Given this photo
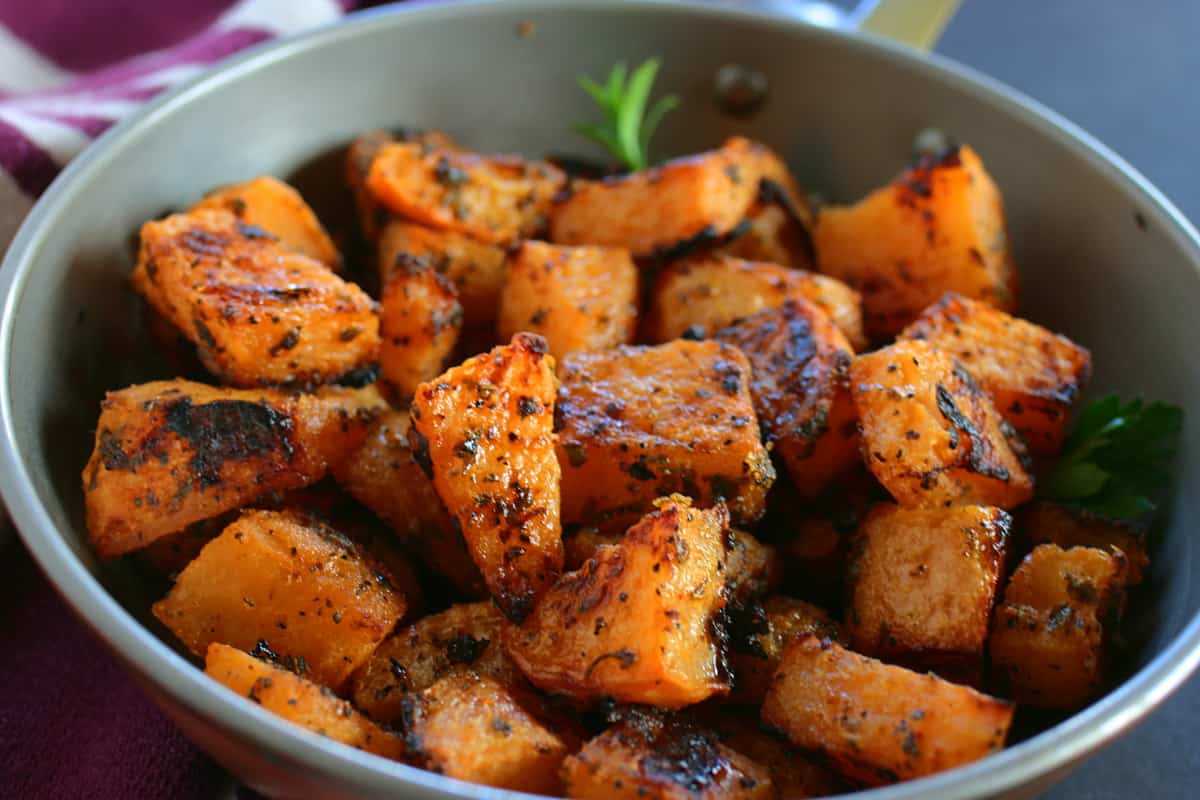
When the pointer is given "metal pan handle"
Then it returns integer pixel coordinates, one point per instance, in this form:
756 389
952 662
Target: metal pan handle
916 23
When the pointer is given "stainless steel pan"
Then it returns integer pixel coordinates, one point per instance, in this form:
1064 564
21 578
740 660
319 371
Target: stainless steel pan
1104 257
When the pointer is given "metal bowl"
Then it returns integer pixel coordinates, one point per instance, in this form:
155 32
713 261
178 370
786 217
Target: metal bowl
1104 258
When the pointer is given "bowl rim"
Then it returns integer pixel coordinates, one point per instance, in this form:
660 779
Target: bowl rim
1050 751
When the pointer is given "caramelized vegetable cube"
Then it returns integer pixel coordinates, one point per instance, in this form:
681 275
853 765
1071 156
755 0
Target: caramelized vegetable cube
495 199
419 323
464 637
486 430
384 475
474 728
277 208
649 755
774 235
703 294
922 585
476 269
1033 376
258 313
801 366
878 723
291 583
636 622
359 155
636 423
579 298
171 453
1051 523
299 701
683 203
938 228
931 435
759 645
1050 634
795 774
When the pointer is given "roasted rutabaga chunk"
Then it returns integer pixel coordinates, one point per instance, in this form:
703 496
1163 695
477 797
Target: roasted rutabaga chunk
637 423
285 585
759 635
277 208
637 622
1034 376
931 435
259 313
299 701
1050 635
938 228
171 453
1067 527
419 323
485 430
490 198
878 723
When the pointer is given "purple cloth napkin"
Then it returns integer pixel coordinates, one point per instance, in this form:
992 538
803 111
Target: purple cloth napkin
72 723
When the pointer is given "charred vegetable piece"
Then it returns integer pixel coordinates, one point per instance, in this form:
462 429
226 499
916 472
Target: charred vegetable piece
938 228
685 203
359 157
383 474
336 609
922 585
419 323
1067 527
758 637
637 622
1050 635
463 638
931 435
299 701
485 428
258 313
636 423
775 233
497 199
1033 376
473 728
801 372
699 296
476 269
277 208
578 298
171 453
649 755
877 723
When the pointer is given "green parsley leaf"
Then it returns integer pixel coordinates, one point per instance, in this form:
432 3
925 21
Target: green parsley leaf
627 126
1116 458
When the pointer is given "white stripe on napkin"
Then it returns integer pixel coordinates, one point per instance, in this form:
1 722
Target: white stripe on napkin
279 17
23 69
60 142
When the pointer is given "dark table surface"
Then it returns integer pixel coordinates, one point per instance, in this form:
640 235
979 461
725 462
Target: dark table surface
1124 71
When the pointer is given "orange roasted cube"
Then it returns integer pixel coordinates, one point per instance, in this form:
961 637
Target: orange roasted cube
801 370
383 475
877 723
1050 635
922 585
464 637
171 453
1034 376
474 728
796 774
700 295
1067 527
758 642
299 701
485 430
649 755
419 322
287 584
670 208
636 622
277 208
578 298
259 313
476 269
497 199
637 423
931 435
774 234
938 228
360 154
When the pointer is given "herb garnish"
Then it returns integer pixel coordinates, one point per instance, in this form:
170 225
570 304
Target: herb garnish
627 127
1115 458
